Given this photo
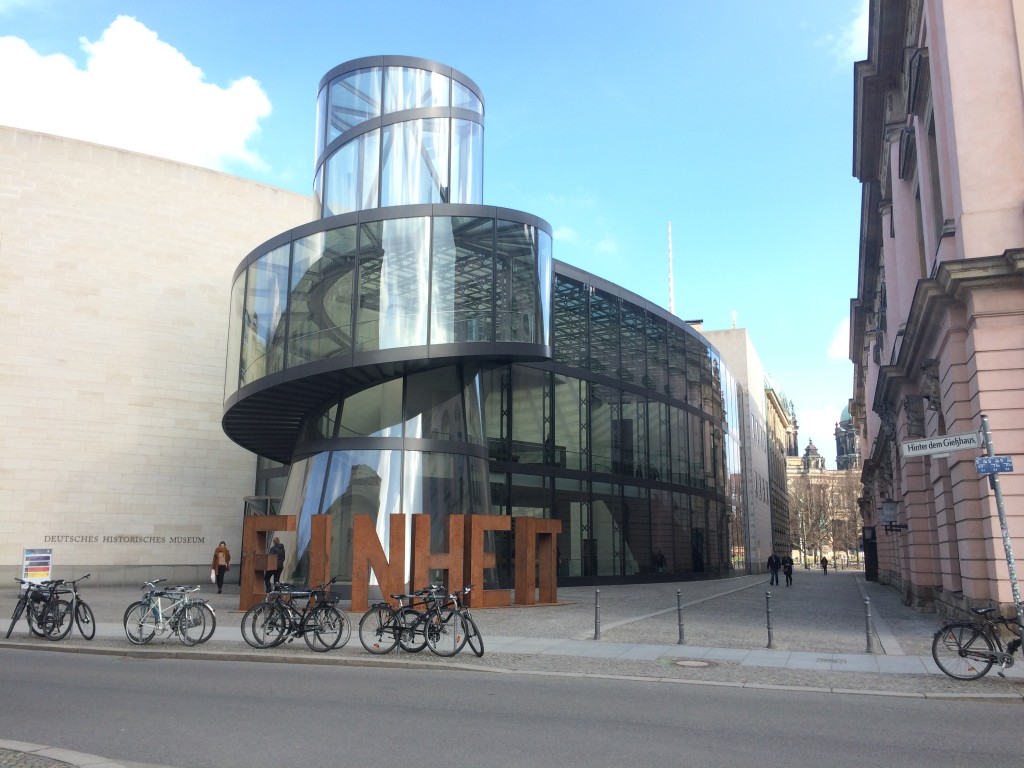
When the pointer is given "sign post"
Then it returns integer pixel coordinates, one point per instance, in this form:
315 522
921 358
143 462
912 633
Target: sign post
993 479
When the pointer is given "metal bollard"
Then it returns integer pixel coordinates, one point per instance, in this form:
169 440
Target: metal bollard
679 612
597 614
768 610
867 624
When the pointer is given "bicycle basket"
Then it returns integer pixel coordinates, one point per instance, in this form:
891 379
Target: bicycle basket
323 596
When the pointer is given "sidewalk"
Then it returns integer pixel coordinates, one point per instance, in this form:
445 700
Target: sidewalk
819 639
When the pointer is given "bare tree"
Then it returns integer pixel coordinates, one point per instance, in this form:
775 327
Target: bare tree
824 515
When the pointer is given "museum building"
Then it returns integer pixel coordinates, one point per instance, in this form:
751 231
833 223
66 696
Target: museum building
414 351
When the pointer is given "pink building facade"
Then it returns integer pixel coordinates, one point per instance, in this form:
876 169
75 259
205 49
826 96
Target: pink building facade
937 326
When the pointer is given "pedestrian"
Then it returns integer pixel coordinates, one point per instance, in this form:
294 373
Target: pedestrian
824 564
221 564
787 569
277 548
660 562
774 563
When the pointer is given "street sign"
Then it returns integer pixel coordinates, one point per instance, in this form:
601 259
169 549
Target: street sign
986 465
942 444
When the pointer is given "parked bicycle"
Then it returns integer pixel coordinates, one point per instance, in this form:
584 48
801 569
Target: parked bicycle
33 602
967 650
474 639
283 617
61 614
164 611
432 618
384 626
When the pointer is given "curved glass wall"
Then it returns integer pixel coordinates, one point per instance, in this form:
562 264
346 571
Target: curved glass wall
387 284
646 483
444 472
398 135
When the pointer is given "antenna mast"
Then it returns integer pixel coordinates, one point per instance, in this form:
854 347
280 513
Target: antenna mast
671 288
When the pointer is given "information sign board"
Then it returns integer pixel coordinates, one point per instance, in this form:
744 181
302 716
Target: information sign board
36 564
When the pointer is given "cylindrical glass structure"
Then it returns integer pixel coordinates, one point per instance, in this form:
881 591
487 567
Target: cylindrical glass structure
393 130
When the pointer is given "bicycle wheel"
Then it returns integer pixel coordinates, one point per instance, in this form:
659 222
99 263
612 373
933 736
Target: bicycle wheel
34 616
413 638
211 620
191 623
963 651
325 628
58 620
140 622
288 619
446 633
86 620
262 626
18 610
378 630
473 636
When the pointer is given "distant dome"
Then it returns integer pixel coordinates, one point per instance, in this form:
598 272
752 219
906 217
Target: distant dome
845 415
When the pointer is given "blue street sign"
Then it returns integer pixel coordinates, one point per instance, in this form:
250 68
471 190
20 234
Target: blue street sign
987 465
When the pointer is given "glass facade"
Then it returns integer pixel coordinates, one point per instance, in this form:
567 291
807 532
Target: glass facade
415 355
397 131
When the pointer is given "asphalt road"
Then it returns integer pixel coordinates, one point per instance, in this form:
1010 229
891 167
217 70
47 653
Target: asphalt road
190 714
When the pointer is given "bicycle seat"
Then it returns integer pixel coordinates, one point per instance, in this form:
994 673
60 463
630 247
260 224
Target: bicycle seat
982 611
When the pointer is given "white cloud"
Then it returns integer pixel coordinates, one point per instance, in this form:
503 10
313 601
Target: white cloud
839 347
607 245
566 235
852 43
136 92
9 6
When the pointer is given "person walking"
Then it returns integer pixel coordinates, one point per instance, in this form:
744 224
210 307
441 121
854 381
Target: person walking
824 564
221 564
277 548
774 563
787 569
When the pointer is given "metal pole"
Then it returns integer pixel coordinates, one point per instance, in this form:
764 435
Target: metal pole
679 612
768 610
597 614
867 624
993 480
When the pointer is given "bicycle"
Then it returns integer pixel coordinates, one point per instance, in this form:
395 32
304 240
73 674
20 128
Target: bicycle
184 617
384 626
201 603
444 625
320 623
967 650
33 603
62 614
473 637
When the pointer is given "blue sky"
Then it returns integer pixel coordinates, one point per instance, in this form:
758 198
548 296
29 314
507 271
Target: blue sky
732 120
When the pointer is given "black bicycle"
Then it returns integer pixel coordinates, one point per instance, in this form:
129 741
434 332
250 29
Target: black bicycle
384 626
433 618
33 603
967 650
61 614
281 617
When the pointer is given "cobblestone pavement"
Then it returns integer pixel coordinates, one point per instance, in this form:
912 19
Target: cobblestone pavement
819 639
